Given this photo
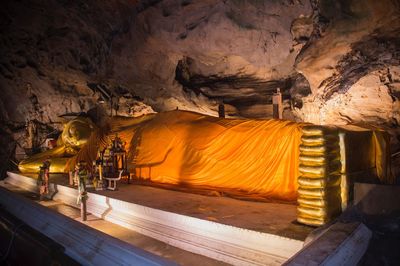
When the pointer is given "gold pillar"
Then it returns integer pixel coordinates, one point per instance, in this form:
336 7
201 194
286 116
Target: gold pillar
319 193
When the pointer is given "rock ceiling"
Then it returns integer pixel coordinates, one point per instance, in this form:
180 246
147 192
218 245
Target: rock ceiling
336 62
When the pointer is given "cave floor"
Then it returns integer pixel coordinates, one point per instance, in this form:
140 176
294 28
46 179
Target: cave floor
267 217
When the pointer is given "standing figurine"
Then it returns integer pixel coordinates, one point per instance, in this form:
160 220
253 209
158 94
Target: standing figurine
95 174
277 107
43 179
221 110
99 172
76 176
82 194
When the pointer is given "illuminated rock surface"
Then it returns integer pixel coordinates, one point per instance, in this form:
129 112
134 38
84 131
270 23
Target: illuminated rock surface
335 61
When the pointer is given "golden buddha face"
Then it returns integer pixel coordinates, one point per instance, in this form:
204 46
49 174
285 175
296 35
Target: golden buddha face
76 132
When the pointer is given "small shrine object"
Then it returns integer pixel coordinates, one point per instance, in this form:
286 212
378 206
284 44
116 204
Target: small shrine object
82 174
221 110
111 164
97 173
277 106
43 179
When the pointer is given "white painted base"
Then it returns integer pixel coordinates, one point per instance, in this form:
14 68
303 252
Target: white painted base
85 245
226 243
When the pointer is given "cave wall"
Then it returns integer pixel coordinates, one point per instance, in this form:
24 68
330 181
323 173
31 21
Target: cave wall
51 51
336 62
54 55
193 54
352 64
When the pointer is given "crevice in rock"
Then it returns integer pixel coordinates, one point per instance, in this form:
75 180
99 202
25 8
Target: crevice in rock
368 55
240 91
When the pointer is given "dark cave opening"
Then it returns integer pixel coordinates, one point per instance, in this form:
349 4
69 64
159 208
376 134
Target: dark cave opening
240 91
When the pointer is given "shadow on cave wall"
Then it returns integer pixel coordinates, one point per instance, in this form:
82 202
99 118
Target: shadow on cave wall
370 54
250 95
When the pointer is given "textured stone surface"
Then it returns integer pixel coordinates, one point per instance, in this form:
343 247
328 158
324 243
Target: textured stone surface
236 51
352 65
335 61
368 100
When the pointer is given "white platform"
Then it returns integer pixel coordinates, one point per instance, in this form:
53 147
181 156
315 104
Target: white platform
82 243
226 243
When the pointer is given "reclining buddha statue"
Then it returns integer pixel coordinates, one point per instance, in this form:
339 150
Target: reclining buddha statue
186 148
75 134
272 158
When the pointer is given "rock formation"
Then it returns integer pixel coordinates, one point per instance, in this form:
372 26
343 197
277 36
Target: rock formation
336 62
352 65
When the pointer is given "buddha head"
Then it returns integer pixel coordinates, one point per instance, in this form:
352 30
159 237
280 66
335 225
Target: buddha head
76 132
